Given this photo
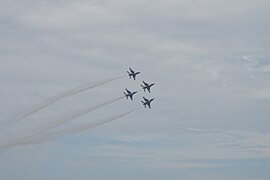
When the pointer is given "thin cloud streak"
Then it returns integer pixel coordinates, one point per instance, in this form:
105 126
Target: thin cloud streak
230 133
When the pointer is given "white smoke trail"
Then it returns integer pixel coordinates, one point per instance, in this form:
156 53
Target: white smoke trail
65 119
38 131
87 126
49 135
56 98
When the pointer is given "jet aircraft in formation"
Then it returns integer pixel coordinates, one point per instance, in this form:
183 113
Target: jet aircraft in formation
132 73
129 94
145 86
147 102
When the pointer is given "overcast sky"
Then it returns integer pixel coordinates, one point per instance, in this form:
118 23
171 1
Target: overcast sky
209 59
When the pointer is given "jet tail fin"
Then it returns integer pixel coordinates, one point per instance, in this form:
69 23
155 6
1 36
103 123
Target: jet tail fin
143 87
125 95
129 75
143 104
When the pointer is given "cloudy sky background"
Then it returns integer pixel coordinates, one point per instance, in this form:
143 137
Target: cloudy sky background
209 60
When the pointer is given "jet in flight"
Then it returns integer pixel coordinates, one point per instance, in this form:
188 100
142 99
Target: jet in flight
147 102
129 94
132 74
147 86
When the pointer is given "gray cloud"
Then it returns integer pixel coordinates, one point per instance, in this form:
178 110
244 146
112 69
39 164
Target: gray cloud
209 61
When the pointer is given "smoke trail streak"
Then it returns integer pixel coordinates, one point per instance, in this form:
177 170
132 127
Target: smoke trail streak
75 115
56 98
38 131
49 135
87 126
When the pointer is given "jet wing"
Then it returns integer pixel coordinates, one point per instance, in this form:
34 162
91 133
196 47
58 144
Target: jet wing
131 71
145 83
128 91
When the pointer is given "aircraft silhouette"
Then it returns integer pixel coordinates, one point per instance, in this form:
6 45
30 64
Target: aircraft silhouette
147 86
147 102
129 94
132 73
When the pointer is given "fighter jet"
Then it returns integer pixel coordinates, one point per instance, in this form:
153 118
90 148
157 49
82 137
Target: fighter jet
147 102
132 74
129 94
147 86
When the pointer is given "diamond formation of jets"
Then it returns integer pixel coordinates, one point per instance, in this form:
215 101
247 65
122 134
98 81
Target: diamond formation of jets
145 86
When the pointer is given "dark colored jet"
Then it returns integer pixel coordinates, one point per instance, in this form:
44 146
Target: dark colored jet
129 94
147 86
147 102
132 74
